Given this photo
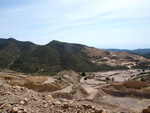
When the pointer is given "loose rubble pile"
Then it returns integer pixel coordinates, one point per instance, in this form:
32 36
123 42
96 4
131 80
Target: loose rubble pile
17 99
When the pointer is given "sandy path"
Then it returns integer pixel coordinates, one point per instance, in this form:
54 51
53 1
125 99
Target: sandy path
90 89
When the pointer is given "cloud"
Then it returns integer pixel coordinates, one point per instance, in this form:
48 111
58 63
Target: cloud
75 19
82 9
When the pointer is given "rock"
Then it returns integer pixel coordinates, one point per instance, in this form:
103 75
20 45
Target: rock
19 111
35 98
45 105
48 98
63 100
66 105
3 106
25 111
44 102
17 87
87 106
93 107
26 100
145 111
71 102
28 91
22 102
103 111
99 111
15 110
78 111
57 103
22 88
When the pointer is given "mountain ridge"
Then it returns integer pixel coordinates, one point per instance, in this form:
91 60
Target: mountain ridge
56 56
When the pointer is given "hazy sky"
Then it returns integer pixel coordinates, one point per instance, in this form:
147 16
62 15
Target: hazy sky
99 23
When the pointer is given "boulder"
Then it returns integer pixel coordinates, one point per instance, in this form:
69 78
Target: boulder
15 110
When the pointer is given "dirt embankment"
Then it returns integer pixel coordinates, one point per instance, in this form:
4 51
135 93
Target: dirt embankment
127 94
129 89
36 83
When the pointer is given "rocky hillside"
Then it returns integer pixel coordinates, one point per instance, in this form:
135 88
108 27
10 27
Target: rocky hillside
18 98
113 58
15 99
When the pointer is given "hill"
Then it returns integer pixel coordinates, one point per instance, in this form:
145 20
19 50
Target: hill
11 49
57 56
54 57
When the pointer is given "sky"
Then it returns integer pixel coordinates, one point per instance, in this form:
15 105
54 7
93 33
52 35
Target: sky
122 24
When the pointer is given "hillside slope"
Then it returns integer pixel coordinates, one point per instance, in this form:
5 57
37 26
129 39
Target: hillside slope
57 56
10 49
114 58
54 57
